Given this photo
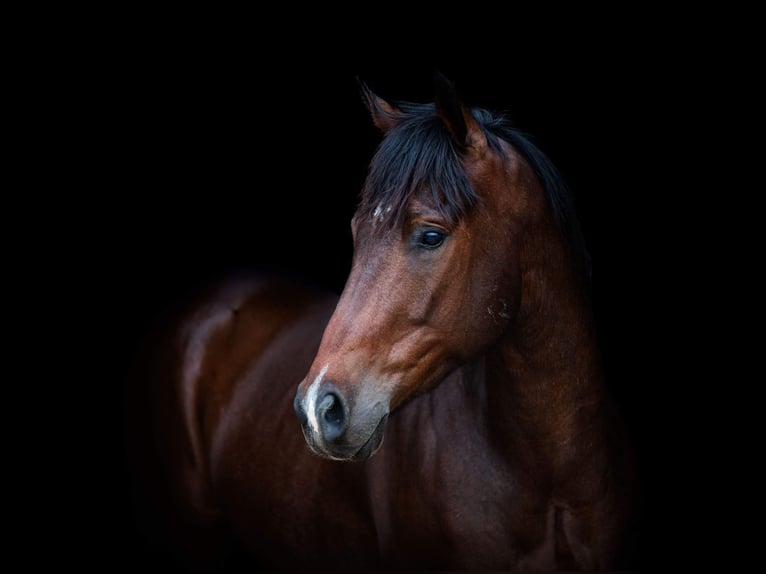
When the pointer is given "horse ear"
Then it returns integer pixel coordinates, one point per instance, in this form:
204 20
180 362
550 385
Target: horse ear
384 115
464 129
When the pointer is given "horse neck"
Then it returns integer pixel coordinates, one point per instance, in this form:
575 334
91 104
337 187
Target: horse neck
544 382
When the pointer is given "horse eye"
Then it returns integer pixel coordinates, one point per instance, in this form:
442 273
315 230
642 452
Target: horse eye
431 238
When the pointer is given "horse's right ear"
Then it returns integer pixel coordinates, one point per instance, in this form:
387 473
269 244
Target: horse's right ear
462 126
384 115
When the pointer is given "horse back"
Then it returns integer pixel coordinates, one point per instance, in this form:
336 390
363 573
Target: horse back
220 344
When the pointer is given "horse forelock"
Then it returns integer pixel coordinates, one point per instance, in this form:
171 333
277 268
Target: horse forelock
416 156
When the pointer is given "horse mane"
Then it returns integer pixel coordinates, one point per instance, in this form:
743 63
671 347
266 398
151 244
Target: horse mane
420 154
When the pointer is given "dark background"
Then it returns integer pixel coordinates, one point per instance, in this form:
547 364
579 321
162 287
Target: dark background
201 153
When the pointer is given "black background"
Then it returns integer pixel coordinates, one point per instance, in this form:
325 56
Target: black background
208 151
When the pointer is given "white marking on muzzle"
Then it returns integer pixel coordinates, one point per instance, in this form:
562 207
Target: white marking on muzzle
311 399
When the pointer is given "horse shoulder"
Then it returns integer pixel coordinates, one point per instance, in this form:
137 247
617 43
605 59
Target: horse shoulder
594 507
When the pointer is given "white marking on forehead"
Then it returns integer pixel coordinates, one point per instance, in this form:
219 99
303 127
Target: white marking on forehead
311 399
379 210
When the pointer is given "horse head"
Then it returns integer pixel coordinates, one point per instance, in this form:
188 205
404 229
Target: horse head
439 245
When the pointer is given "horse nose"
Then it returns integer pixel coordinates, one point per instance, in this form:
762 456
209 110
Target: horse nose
322 412
331 414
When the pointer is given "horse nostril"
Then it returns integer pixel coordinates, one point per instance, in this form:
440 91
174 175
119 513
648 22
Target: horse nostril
333 410
332 415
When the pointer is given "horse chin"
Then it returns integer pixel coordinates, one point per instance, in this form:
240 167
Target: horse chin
373 443
346 452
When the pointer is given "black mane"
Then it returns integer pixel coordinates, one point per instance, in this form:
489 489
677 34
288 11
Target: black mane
419 154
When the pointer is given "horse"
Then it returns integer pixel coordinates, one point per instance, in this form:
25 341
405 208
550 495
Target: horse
447 410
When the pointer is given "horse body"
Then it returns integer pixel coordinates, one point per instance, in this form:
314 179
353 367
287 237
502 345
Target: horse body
502 448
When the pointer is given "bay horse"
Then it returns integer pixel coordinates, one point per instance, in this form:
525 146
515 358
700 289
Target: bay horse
447 410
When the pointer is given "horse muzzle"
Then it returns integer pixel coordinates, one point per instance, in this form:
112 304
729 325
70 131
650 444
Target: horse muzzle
335 429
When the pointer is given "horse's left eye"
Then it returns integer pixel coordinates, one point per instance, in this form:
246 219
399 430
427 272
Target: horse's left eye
431 238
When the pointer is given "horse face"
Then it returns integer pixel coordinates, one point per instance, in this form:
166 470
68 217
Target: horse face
425 295
421 299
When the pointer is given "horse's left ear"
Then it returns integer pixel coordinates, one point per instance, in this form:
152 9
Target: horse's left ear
465 130
384 115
